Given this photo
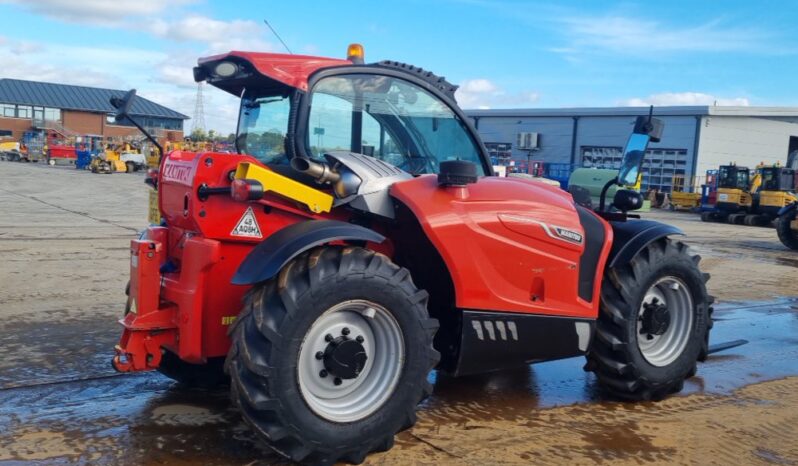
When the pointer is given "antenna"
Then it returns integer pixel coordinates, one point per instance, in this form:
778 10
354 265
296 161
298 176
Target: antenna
277 36
199 111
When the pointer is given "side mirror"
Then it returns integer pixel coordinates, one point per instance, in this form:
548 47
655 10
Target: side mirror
647 129
633 155
123 104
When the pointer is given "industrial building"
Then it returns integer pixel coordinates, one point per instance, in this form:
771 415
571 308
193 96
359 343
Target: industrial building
696 138
34 108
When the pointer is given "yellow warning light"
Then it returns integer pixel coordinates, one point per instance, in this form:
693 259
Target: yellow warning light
355 54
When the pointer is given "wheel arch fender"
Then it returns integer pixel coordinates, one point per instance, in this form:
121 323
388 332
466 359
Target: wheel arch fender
269 257
632 236
791 208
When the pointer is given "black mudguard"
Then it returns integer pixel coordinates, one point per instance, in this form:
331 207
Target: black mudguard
632 236
266 260
789 209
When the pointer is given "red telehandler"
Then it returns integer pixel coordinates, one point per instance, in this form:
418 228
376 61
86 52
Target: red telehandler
358 239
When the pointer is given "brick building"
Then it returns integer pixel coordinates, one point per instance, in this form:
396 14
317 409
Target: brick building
37 107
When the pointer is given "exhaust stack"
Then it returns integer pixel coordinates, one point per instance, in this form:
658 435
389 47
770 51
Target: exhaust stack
321 171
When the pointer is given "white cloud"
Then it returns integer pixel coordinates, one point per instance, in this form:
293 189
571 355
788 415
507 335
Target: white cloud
69 65
684 98
217 35
640 37
483 93
96 11
164 76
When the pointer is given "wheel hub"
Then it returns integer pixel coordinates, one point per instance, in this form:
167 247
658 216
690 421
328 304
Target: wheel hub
344 357
655 318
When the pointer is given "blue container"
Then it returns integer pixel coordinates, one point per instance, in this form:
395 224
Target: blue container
559 172
83 160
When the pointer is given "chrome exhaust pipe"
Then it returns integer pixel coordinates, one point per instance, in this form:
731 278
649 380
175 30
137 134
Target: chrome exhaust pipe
321 171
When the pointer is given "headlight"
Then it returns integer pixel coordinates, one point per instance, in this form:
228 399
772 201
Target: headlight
225 69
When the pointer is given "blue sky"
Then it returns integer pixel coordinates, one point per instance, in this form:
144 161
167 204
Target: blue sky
502 53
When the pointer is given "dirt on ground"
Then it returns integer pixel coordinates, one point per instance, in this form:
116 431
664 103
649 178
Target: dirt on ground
64 238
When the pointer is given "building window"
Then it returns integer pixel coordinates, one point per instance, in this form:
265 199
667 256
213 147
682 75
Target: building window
38 114
660 167
53 114
24 111
8 110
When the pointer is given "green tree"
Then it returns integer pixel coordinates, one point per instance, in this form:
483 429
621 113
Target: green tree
198 134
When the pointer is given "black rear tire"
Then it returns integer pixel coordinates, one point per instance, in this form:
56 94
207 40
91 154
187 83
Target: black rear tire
787 235
616 356
267 340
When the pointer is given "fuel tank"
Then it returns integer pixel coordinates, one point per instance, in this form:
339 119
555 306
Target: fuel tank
512 245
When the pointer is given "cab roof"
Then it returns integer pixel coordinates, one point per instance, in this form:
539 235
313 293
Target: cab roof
288 70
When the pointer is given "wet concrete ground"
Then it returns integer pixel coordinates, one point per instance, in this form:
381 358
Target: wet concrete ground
63 250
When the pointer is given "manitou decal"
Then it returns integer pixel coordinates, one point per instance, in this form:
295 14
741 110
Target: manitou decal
553 231
568 235
247 226
177 172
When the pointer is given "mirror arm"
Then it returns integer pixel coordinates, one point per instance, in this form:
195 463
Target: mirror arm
603 197
146 134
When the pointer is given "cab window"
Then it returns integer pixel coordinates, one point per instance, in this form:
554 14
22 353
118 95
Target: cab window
263 123
387 118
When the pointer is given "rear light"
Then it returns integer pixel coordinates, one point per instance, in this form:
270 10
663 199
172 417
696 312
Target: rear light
246 190
152 178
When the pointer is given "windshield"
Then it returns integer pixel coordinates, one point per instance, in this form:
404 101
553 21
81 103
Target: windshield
390 119
733 177
262 125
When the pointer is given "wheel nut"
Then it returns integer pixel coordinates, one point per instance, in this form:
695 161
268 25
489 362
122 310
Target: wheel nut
328 337
345 331
337 381
359 339
323 373
319 355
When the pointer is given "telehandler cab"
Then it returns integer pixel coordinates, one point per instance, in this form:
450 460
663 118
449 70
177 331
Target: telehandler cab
358 239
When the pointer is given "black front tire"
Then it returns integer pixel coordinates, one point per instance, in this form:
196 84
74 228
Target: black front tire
615 355
787 235
267 340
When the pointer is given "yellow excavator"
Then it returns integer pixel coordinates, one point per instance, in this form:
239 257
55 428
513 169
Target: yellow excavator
735 194
777 191
787 221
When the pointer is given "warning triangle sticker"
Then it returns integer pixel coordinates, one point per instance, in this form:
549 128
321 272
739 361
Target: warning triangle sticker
247 226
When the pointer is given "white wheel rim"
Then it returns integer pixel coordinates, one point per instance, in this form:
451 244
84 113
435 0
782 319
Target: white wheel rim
355 398
661 350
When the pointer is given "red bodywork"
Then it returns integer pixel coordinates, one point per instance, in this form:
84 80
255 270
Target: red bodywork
291 70
493 238
61 152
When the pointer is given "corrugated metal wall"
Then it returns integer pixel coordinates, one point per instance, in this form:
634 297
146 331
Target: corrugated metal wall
744 140
723 139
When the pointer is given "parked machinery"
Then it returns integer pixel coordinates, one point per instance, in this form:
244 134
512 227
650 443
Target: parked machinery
122 157
735 189
681 196
787 221
777 191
